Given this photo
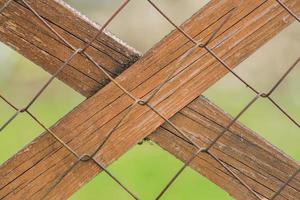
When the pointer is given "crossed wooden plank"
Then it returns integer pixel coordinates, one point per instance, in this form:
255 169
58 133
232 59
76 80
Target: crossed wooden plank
31 171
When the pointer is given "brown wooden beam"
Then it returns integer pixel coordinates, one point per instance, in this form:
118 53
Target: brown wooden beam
276 24
256 161
26 34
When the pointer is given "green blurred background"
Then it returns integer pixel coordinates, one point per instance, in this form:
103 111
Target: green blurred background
147 168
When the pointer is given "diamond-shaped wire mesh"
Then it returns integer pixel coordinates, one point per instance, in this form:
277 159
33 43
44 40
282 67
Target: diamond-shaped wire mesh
148 101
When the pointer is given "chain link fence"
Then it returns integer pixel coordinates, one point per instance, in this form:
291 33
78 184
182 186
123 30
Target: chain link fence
146 101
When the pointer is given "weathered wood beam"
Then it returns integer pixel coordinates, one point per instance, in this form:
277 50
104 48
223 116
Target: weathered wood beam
26 34
257 162
276 25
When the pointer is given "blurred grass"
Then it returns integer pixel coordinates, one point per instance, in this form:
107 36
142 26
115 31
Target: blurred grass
147 168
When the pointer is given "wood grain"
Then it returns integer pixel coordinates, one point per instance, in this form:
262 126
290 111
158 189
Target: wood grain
257 162
44 159
22 31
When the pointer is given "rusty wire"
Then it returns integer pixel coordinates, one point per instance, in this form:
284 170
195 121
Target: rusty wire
146 100
288 10
258 95
85 157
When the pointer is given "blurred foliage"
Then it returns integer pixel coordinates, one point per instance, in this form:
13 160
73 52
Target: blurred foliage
147 168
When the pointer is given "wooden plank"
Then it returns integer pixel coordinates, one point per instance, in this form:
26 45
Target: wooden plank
35 151
22 31
257 162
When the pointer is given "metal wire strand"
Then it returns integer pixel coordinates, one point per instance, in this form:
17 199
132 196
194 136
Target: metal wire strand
41 124
219 59
200 149
232 122
86 158
197 43
83 50
236 176
205 46
5 5
205 150
13 116
224 64
283 77
186 164
3 126
264 95
228 127
146 101
38 94
115 179
288 10
59 179
285 184
108 75
104 71
258 94
156 90
25 109
82 158
110 133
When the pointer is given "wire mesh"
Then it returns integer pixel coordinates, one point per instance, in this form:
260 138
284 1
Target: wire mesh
146 101
258 95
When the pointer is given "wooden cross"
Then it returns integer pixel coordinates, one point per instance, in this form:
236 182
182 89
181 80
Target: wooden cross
32 171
